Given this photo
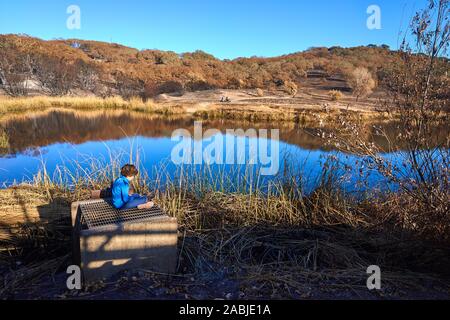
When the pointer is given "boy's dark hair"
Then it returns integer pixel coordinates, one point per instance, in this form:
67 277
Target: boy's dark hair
129 170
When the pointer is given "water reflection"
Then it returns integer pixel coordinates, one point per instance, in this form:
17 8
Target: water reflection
55 137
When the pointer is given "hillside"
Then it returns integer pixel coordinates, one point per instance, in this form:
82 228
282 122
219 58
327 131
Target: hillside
59 67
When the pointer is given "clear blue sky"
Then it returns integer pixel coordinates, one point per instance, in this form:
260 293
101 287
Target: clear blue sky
226 29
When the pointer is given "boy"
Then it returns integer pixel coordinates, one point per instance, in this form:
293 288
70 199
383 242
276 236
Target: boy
121 188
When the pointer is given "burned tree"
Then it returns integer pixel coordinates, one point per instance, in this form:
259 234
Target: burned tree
128 88
15 73
87 76
56 76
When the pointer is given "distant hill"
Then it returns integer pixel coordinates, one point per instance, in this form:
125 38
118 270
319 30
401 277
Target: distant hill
57 67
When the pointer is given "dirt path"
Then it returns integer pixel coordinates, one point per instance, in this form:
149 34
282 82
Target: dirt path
244 99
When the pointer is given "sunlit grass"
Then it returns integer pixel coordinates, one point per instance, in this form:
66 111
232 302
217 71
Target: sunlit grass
289 114
4 141
10 105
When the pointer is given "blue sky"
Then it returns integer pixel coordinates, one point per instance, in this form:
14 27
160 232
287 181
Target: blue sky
226 29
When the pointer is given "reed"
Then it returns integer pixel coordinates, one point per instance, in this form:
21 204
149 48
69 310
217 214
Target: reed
16 105
270 232
4 141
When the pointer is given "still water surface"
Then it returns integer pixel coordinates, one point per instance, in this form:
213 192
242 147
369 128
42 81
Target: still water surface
73 139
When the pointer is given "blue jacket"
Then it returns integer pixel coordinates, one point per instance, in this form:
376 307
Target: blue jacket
120 190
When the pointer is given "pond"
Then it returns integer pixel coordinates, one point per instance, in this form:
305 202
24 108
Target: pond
74 140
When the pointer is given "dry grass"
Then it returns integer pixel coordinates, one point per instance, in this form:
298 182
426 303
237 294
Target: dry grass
273 236
4 141
335 95
247 111
14 105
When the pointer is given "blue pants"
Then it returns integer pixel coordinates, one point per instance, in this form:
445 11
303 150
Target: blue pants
135 201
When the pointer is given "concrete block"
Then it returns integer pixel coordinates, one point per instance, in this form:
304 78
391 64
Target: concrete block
106 250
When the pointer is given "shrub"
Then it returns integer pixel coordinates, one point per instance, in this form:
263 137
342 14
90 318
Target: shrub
128 87
335 95
171 87
236 83
14 73
362 82
87 75
290 88
198 86
259 92
151 90
56 76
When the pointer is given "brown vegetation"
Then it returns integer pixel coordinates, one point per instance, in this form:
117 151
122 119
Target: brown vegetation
420 94
335 95
361 82
280 240
60 66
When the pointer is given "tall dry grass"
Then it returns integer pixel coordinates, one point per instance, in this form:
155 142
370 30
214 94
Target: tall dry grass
22 104
4 140
269 231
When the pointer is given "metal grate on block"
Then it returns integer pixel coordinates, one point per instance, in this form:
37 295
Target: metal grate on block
101 213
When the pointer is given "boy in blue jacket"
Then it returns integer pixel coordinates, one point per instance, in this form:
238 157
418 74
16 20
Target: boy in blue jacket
121 189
